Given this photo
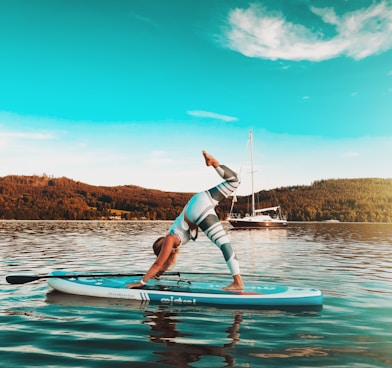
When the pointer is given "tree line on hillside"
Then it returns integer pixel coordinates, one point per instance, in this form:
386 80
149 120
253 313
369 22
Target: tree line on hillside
346 200
47 198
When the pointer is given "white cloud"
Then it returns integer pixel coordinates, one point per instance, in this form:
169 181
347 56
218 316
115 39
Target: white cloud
211 115
27 135
17 140
257 32
14 127
159 157
351 154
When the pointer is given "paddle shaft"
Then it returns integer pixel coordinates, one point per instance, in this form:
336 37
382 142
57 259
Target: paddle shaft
23 279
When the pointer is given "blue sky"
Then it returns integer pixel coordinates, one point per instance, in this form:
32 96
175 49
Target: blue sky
114 92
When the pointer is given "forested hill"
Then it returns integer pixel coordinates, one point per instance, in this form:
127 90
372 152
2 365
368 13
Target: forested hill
346 200
47 198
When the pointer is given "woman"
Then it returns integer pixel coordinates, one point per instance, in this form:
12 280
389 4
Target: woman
199 212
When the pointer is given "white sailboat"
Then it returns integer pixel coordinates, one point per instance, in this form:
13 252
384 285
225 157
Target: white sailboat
270 217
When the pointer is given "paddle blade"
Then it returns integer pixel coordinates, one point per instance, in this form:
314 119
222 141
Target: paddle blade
21 279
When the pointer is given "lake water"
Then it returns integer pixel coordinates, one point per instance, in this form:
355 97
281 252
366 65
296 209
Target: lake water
350 263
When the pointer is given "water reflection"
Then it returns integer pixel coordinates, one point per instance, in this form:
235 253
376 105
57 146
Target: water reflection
176 330
178 352
59 298
256 235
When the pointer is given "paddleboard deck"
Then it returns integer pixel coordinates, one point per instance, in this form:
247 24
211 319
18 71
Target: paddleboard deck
184 292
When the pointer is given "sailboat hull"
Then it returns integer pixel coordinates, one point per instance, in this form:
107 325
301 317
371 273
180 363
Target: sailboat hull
249 224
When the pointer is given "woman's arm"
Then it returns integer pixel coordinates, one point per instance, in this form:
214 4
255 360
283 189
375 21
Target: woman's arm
170 244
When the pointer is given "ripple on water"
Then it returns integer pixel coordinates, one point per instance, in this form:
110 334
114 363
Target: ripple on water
351 264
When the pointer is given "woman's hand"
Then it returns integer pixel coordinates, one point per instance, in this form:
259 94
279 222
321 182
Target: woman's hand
159 266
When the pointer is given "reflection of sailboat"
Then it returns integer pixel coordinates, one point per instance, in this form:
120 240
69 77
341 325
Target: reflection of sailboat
270 217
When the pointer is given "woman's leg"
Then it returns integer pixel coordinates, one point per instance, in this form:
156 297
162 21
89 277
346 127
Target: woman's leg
211 225
200 211
231 183
226 188
214 230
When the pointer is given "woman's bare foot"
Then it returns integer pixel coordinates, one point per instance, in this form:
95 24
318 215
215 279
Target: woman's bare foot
237 284
234 287
210 160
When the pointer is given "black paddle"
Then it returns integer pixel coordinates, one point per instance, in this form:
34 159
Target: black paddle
23 279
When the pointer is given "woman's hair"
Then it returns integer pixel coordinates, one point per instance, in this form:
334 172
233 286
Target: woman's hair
156 247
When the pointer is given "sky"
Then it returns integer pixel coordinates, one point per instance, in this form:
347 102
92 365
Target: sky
129 92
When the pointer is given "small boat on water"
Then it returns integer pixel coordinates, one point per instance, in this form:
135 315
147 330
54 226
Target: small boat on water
270 217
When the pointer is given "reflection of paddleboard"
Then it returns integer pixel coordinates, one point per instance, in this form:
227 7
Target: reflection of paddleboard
184 292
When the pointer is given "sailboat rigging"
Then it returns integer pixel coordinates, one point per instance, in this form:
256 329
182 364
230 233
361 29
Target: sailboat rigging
270 217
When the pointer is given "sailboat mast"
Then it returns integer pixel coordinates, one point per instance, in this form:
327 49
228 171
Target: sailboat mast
252 171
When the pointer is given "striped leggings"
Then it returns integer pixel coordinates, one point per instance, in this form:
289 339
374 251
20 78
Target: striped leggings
201 211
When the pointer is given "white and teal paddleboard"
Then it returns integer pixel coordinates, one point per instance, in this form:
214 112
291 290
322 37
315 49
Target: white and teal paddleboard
185 292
